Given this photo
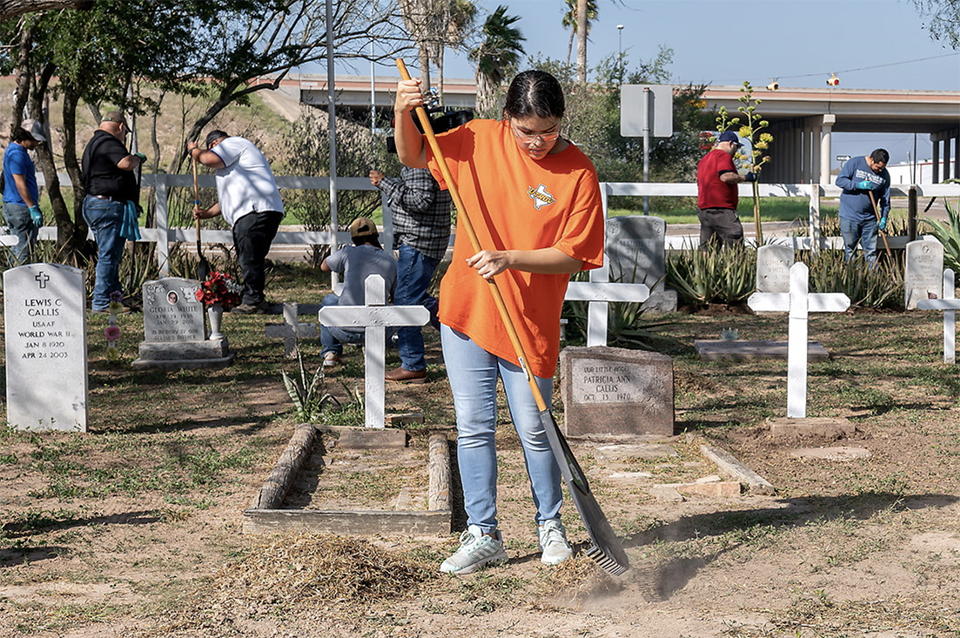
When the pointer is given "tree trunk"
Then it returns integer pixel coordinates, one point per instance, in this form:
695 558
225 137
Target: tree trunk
12 8
582 42
69 232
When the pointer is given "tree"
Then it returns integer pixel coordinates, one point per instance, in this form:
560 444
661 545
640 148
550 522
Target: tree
570 21
496 56
433 25
583 26
13 8
943 20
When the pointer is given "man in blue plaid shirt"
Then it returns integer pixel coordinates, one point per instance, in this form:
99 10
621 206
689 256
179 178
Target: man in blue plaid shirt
421 226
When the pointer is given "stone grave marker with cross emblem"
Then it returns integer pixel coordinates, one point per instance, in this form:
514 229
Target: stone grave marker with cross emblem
949 306
374 317
45 327
291 330
799 303
922 272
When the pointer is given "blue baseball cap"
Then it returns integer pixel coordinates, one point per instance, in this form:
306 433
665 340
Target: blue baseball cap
730 136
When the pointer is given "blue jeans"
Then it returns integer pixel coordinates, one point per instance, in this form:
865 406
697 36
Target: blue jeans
414 272
104 216
20 224
473 373
332 338
862 230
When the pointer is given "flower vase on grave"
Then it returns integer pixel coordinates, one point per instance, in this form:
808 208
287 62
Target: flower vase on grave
215 313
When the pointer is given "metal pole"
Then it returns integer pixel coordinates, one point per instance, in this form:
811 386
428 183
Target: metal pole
332 119
373 86
620 51
647 126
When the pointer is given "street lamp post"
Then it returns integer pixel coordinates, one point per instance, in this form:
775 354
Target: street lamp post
620 50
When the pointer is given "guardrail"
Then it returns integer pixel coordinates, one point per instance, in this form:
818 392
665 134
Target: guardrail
162 183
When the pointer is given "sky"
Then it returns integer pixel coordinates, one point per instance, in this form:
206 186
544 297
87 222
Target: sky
869 44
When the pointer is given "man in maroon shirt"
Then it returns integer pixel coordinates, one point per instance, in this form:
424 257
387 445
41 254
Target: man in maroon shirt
717 180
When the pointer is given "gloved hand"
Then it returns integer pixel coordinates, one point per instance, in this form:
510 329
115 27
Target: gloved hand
36 215
882 224
750 177
866 185
141 157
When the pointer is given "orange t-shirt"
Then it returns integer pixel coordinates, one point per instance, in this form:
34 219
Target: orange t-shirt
517 203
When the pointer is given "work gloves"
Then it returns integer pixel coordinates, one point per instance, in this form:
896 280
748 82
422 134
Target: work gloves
750 177
141 157
882 224
866 185
36 215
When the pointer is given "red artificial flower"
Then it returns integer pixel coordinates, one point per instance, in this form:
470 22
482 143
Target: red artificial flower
219 288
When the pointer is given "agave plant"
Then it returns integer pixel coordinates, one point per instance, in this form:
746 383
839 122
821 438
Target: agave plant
948 234
307 393
880 287
714 276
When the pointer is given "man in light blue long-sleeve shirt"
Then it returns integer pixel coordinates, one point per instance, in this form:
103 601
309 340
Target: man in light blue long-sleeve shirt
860 178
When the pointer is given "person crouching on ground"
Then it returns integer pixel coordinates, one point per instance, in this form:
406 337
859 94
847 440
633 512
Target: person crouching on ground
534 199
366 257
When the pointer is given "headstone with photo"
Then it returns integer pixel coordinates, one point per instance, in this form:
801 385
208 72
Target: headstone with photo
773 268
636 251
615 393
923 272
45 328
174 332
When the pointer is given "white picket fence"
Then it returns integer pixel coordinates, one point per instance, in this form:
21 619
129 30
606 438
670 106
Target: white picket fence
163 183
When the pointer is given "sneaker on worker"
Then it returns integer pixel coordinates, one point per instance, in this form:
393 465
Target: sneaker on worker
553 542
331 360
476 550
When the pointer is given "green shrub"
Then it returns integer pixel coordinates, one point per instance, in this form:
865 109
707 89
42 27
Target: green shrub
947 234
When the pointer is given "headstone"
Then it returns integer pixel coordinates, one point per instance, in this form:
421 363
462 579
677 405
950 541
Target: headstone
174 330
291 330
374 317
923 272
798 303
45 328
773 268
615 393
949 306
636 251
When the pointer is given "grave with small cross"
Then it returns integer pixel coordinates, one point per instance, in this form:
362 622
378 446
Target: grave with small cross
374 317
949 306
291 330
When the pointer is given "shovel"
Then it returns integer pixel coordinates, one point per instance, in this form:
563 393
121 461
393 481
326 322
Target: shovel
203 268
882 233
606 550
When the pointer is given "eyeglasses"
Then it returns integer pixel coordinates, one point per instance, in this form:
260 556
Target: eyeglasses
529 138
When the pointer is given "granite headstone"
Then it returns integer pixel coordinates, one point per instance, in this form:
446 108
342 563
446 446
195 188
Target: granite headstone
636 251
615 393
773 268
923 273
46 347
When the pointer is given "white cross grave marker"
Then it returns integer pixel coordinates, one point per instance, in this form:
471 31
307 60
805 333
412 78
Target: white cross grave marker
374 317
799 303
290 330
600 292
949 306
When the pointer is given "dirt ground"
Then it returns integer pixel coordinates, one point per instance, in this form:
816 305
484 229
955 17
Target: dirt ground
863 546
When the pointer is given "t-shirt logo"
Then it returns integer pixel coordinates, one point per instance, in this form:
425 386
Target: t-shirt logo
540 196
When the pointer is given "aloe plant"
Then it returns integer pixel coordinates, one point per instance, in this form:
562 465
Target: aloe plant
306 393
948 234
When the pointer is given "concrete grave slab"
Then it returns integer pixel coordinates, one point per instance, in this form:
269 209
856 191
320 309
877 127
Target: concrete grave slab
828 428
830 453
747 350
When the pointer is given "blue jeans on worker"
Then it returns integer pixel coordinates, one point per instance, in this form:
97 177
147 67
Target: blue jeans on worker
332 338
473 373
104 217
20 224
414 272
252 236
863 231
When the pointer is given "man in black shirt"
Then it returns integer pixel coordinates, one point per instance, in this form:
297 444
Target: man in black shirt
110 182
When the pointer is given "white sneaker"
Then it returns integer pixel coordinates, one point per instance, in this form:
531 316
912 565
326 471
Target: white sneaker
330 360
476 550
553 542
